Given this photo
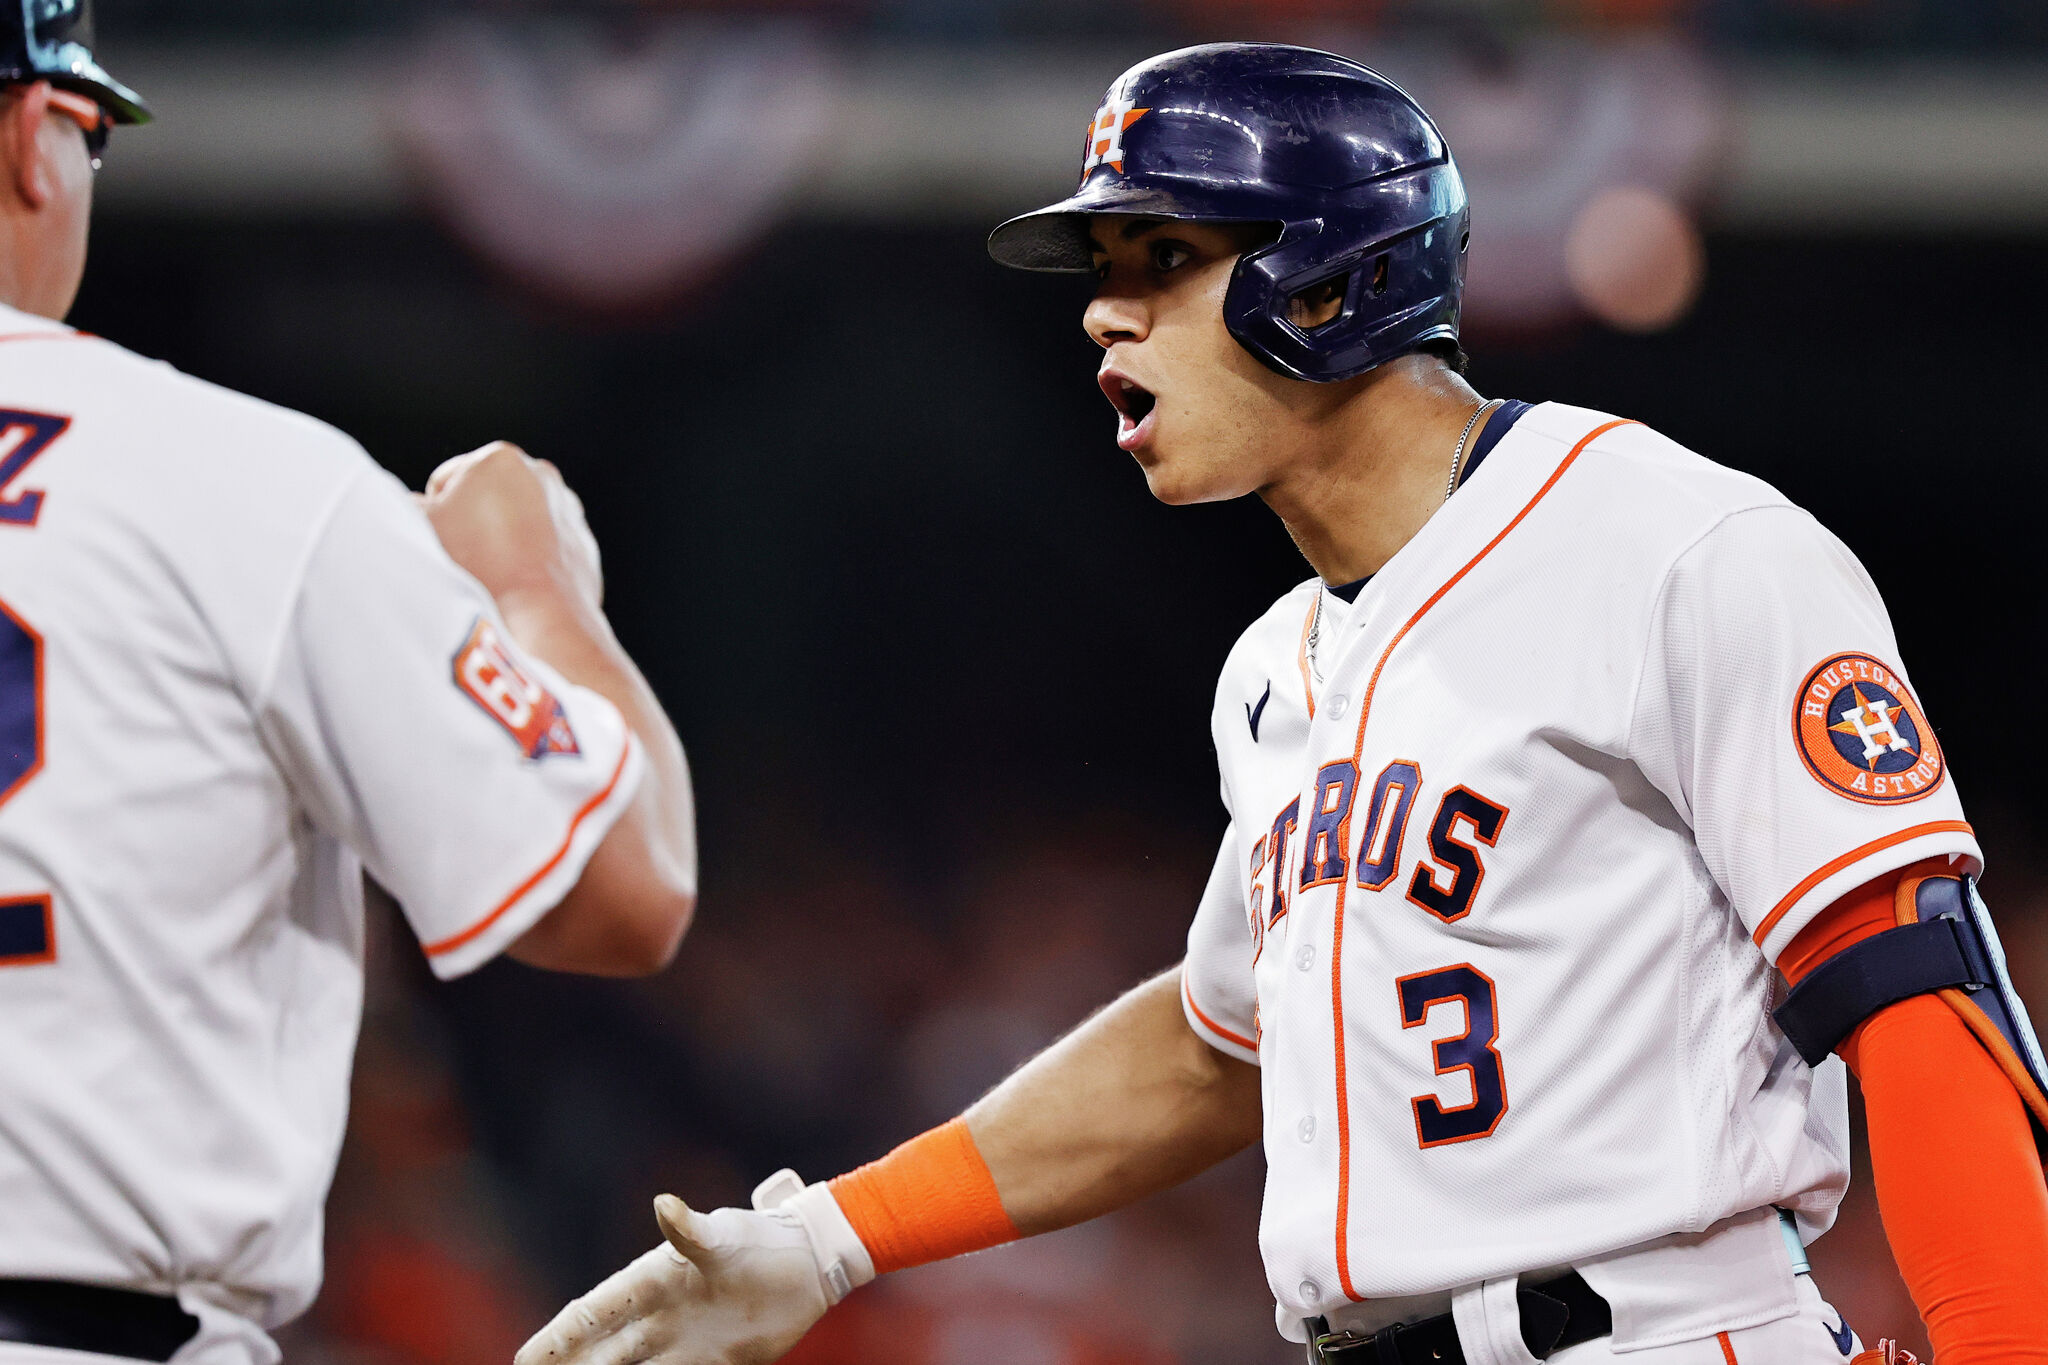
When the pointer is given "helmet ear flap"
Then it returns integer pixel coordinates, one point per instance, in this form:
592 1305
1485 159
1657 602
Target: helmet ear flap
1294 318
1401 290
1325 304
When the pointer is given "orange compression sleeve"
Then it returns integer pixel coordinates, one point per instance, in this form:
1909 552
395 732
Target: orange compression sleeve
1958 1179
931 1198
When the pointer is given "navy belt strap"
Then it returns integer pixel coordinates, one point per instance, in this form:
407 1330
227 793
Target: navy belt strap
95 1318
1555 1314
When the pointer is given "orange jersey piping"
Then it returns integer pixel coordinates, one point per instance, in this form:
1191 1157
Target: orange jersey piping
451 943
1337 934
1210 1024
1853 856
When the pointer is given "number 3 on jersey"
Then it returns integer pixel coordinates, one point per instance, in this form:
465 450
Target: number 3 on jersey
1472 1052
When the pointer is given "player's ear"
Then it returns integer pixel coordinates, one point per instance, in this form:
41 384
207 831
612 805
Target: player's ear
21 125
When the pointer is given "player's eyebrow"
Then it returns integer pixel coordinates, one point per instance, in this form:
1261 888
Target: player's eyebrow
1130 231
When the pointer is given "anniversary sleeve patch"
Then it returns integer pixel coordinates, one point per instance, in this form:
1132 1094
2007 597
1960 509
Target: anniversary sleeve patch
1861 732
486 670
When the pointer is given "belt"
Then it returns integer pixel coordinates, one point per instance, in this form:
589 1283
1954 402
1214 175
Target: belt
91 1317
1555 1314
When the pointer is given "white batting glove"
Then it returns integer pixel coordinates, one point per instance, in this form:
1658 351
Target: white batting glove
734 1287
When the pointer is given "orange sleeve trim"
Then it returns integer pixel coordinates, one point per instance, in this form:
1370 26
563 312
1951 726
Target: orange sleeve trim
1853 856
930 1199
454 941
1866 912
1211 1024
1727 1348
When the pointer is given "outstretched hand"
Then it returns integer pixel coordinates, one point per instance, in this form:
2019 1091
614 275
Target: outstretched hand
734 1287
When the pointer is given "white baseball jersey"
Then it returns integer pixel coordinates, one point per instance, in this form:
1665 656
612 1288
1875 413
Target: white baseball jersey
1512 853
237 671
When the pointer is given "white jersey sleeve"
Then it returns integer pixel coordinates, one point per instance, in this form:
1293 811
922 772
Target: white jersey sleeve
1775 714
472 780
1216 984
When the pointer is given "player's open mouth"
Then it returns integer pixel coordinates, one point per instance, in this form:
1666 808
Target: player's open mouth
1135 409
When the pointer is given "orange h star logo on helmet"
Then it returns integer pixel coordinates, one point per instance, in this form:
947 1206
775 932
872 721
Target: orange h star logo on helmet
1106 134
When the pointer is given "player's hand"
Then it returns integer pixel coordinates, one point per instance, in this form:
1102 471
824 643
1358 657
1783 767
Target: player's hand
513 523
734 1287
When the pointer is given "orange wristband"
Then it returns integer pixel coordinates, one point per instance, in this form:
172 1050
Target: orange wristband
931 1198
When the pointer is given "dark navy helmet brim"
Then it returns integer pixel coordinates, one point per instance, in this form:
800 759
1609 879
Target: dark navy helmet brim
123 105
89 78
52 40
1054 239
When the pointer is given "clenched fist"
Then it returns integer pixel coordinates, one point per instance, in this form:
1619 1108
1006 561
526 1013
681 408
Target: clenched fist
513 523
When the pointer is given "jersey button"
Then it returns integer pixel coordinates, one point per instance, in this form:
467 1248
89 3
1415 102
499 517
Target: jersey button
1304 957
1306 1129
1336 706
1310 1295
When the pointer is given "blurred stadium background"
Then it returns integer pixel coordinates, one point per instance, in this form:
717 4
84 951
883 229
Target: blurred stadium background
943 666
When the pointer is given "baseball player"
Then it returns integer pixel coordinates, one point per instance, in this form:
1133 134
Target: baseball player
238 670
1574 742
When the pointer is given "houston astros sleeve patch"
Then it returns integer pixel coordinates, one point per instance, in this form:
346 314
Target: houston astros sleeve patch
1861 732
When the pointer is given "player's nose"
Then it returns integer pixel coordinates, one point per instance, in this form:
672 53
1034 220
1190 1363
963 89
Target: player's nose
1112 317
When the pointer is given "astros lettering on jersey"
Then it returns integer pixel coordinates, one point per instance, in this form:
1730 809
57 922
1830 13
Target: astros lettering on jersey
237 671
1507 835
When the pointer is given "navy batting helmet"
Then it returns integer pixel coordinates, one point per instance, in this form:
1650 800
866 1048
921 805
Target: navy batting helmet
51 40
1355 177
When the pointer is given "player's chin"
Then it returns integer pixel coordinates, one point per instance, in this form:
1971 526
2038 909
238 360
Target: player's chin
1183 481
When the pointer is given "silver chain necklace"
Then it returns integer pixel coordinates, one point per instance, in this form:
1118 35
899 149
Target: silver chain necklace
1315 625
1458 455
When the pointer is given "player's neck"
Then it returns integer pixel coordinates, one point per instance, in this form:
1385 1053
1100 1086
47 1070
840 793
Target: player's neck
28 283
1364 492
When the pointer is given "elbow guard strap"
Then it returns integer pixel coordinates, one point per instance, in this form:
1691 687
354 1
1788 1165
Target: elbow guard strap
1898 964
1945 945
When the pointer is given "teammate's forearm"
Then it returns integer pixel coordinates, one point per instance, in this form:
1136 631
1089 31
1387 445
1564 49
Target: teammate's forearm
1130 1103
638 893
578 643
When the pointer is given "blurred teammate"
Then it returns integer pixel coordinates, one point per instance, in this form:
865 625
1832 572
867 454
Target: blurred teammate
237 671
1572 738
